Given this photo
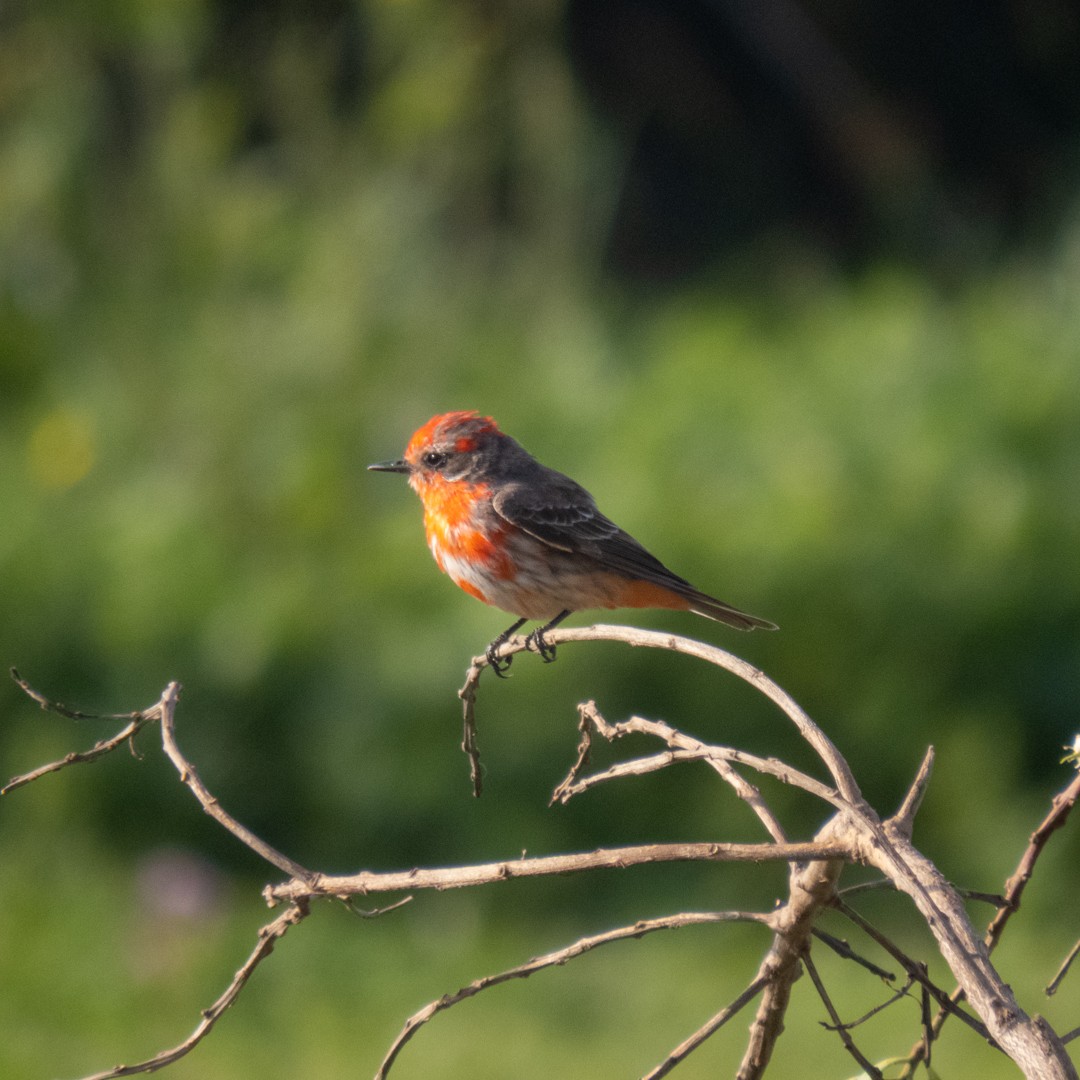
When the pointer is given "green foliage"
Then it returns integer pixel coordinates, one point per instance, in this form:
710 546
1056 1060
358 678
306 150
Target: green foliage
204 337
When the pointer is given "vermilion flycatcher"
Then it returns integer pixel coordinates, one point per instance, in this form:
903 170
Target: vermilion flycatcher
527 539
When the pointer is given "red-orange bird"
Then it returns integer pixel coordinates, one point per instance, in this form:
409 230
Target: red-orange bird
527 539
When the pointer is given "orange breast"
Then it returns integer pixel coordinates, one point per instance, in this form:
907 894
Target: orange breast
464 533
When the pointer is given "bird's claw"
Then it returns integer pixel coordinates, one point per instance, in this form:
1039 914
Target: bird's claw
538 642
499 664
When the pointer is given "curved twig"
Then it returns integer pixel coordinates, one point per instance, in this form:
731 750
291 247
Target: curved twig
269 936
590 720
209 803
686 748
136 721
711 654
855 834
558 957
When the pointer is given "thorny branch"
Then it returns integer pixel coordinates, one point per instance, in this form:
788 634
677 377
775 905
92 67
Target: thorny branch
854 834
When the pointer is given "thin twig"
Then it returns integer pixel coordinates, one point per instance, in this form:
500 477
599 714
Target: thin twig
904 818
469 741
558 957
1055 982
1058 814
844 950
902 992
652 639
686 748
80 757
269 936
875 885
590 719
838 1025
709 1028
48 705
209 803
373 913
914 969
993 899
136 721
563 791
163 711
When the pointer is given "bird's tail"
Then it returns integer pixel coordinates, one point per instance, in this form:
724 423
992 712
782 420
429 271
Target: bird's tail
700 604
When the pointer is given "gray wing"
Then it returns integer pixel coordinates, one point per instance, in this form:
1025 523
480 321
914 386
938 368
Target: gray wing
560 512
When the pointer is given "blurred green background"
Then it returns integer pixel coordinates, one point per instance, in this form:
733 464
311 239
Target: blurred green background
814 339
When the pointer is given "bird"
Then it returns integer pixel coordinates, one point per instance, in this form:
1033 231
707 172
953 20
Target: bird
529 540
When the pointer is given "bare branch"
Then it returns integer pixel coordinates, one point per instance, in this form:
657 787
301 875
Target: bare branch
80 757
993 899
709 1028
901 992
812 887
904 818
687 748
652 639
188 775
838 1025
1058 814
48 705
136 721
844 950
558 957
269 936
591 719
563 791
854 834
876 885
1029 1041
469 742
1062 971
163 712
914 969
461 877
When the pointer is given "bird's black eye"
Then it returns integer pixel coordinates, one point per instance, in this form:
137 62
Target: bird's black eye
434 459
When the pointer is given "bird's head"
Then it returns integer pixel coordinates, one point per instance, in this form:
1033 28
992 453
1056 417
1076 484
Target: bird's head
450 447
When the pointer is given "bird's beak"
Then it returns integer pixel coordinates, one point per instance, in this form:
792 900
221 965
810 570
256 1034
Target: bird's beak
401 466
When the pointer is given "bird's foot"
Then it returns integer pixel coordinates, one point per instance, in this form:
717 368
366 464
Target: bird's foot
499 664
539 643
